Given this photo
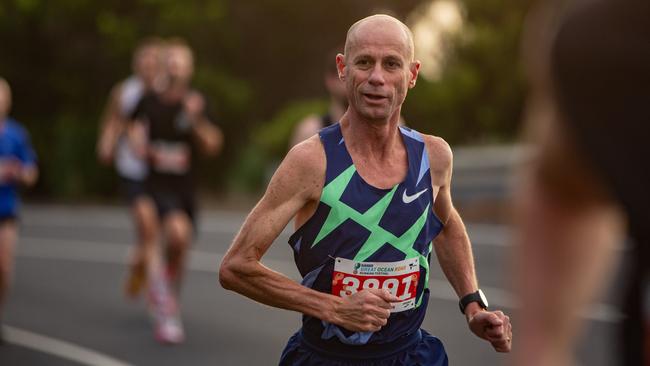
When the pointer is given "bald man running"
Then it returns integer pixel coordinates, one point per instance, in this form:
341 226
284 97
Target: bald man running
368 197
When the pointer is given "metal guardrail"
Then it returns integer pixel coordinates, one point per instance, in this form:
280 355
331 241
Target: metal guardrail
485 173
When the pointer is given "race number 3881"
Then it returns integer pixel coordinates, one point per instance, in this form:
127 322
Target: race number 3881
399 278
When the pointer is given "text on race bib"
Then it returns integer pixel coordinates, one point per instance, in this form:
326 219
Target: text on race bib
399 278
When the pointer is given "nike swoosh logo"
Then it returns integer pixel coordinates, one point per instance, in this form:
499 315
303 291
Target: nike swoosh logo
408 199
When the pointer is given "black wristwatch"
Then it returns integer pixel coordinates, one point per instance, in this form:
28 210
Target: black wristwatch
477 296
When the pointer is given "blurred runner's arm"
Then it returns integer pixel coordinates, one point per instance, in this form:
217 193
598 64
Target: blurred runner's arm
19 172
26 169
208 135
111 126
297 182
454 251
29 175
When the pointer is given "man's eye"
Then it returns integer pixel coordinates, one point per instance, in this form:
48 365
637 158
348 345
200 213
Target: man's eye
393 64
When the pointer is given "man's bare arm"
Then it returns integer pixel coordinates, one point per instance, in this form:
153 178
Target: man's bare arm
111 126
29 175
452 245
209 136
454 251
299 180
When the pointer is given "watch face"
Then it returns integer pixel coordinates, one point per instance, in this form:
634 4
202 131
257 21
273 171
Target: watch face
483 298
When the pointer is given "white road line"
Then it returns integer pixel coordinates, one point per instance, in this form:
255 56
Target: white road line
58 348
208 262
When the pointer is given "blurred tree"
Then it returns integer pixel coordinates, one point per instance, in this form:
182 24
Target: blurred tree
254 58
479 96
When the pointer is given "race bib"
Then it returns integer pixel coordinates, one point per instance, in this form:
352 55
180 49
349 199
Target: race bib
172 158
399 278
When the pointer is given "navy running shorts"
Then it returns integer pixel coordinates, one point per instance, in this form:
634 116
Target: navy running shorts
426 350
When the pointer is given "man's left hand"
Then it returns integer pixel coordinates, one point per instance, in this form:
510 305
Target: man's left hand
493 326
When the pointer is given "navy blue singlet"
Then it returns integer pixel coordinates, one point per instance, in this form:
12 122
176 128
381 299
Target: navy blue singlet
357 221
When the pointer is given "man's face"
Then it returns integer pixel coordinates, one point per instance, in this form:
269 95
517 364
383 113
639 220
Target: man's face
148 65
179 63
378 69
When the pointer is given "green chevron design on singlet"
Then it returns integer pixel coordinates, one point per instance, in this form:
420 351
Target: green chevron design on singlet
341 212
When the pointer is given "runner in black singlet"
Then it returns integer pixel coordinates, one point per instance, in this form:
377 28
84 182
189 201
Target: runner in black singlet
171 128
114 148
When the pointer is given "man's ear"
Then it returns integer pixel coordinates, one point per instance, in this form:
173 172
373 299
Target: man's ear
340 66
414 70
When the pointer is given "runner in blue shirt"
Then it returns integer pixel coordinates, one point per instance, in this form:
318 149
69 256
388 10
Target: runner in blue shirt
17 168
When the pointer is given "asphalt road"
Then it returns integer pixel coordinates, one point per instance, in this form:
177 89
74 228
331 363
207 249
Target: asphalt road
67 307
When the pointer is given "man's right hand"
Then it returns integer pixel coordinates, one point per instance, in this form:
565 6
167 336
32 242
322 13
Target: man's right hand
365 311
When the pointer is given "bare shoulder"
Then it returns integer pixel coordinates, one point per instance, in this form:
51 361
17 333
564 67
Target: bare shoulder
307 154
116 92
303 169
440 155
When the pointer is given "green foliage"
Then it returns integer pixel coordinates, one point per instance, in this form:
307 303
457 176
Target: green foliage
480 94
273 136
259 63
250 172
269 143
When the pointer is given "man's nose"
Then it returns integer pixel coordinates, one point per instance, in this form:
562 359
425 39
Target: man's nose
376 75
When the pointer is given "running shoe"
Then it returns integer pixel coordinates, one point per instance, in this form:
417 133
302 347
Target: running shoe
168 328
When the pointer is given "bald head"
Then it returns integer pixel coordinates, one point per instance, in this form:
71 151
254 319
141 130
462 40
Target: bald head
380 23
5 98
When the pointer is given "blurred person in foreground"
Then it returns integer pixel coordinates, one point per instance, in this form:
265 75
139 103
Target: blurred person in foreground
169 128
17 168
367 206
113 147
588 180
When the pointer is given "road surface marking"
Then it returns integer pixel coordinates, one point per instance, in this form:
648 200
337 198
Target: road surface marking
59 348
